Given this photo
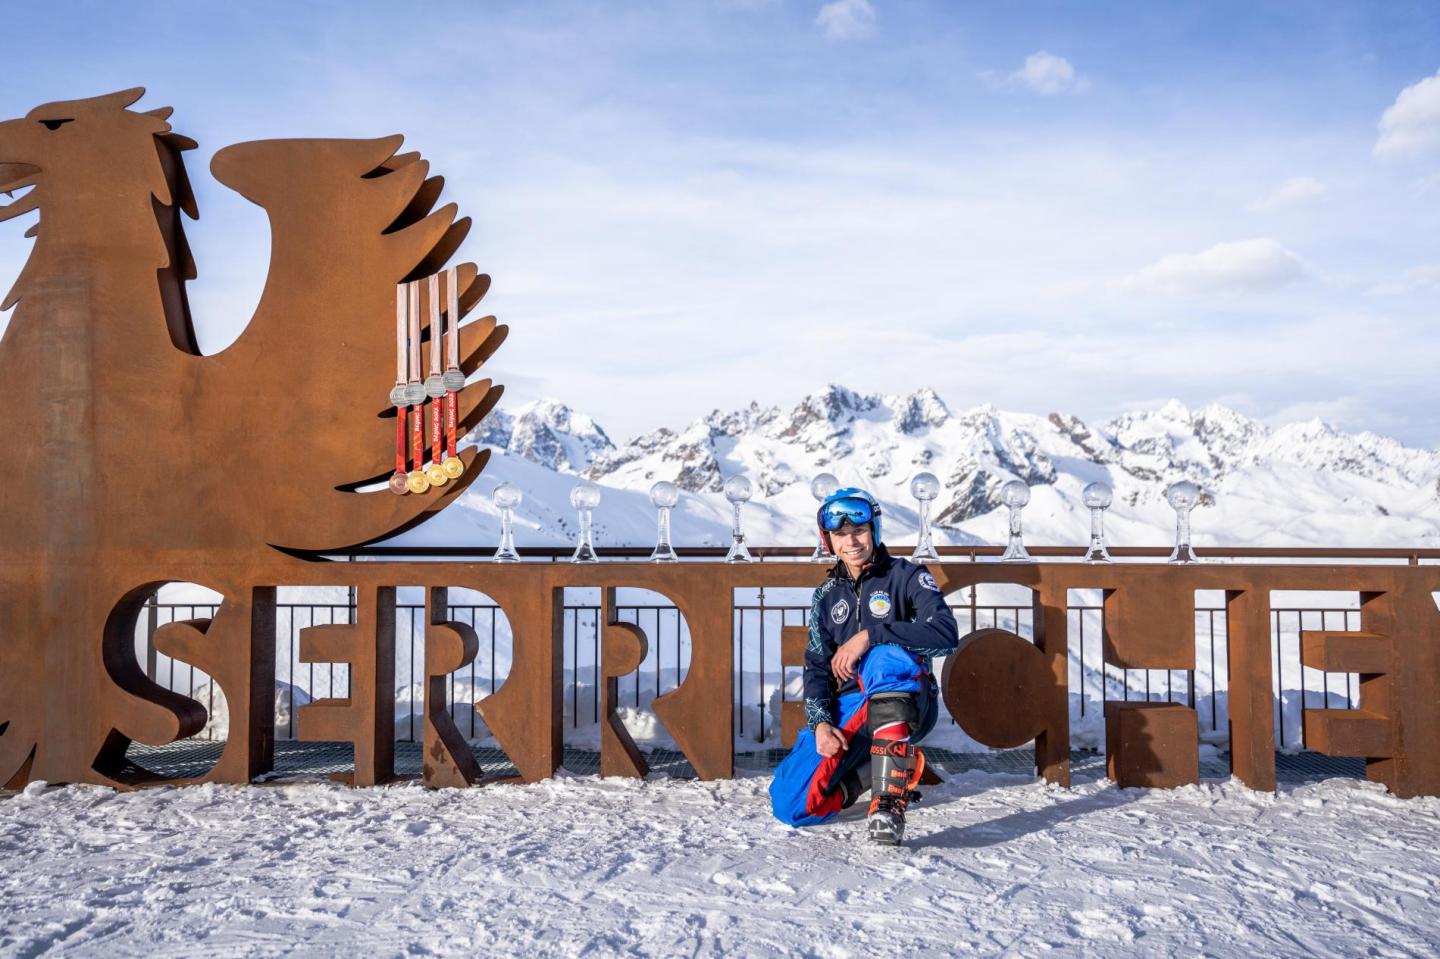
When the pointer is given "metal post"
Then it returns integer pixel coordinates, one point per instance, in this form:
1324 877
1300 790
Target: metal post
152 622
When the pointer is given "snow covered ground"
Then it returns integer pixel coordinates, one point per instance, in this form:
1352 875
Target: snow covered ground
997 865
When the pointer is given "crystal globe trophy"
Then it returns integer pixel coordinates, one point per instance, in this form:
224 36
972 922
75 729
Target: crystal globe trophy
822 488
663 496
506 497
1015 495
585 498
924 487
1183 497
1097 497
737 491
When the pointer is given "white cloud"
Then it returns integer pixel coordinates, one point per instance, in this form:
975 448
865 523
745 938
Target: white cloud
1248 265
1294 191
846 19
1423 277
1411 124
1048 75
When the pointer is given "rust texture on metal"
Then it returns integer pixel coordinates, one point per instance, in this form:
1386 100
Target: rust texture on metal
449 647
1149 629
993 672
622 649
366 718
1152 744
202 468
232 470
793 640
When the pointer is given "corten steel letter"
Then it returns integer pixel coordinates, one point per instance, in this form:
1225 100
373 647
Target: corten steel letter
622 650
367 717
793 640
1415 688
237 649
102 355
1051 616
993 684
1252 703
526 714
1005 691
1001 690
1151 744
447 760
699 714
1394 697
1151 626
180 716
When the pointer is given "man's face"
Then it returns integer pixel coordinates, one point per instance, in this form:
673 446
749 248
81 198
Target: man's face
853 544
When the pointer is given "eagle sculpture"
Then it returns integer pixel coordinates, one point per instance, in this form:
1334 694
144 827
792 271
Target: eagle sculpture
130 459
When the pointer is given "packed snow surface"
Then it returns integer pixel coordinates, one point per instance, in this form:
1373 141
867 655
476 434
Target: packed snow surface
996 865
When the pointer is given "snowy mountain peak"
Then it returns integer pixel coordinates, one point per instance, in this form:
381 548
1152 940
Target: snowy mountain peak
1303 482
919 411
546 432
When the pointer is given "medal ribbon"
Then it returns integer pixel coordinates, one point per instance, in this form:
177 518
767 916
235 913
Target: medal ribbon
400 358
417 413
436 343
452 351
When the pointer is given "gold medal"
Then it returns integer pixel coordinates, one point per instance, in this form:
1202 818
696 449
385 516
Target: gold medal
417 482
435 473
454 467
399 484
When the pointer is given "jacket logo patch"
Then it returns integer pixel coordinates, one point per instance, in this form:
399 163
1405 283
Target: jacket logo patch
928 582
839 612
879 604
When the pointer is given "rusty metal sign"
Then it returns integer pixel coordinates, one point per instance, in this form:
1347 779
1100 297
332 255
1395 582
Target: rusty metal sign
232 470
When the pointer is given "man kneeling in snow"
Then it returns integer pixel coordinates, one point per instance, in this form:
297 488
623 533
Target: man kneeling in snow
875 623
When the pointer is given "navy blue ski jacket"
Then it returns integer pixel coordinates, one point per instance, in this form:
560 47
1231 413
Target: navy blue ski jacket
896 600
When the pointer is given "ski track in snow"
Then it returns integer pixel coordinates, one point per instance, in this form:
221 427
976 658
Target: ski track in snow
995 865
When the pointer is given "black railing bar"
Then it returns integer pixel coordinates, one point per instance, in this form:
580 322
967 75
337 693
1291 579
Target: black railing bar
1410 556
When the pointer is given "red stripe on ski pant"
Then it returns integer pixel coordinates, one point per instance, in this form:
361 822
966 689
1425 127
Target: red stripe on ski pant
817 801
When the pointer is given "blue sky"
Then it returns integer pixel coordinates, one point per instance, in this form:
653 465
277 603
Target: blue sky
1073 206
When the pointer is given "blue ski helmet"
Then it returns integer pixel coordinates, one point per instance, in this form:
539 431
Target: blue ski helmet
848 505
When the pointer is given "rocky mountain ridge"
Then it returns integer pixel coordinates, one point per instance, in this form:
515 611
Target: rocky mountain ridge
1301 482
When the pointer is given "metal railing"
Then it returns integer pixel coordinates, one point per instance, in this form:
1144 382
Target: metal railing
756 636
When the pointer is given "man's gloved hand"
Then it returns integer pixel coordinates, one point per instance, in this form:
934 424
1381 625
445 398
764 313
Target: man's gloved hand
829 741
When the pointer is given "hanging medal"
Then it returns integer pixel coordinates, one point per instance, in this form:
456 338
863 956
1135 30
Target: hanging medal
453 379
435 384
416 480
398 395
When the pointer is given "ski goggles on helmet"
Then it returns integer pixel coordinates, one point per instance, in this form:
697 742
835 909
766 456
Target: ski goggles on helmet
847 509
